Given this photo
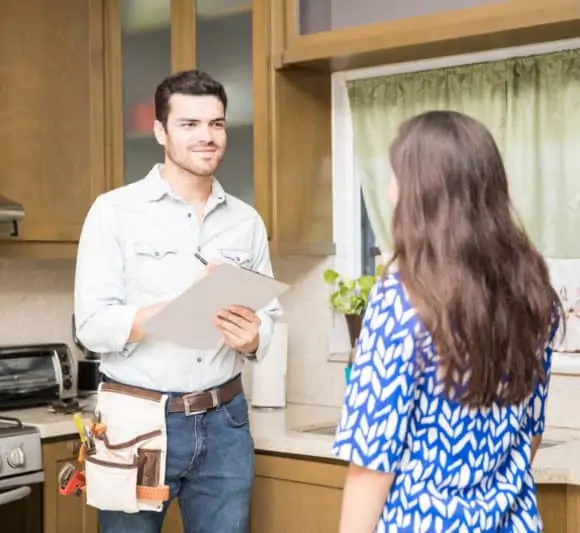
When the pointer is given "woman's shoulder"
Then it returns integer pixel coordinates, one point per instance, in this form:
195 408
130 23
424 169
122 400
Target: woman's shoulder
389 301
389 291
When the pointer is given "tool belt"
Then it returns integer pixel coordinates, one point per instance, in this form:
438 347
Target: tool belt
126 460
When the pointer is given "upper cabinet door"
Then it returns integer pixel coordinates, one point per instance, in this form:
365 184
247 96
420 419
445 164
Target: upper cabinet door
223 45
51 116
314 16
345 34
146 40
145 61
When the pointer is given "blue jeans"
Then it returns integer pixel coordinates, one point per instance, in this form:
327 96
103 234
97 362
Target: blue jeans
210 469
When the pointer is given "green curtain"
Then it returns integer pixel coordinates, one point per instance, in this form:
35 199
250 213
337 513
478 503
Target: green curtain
532 107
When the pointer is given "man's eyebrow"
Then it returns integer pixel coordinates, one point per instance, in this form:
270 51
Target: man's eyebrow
185 119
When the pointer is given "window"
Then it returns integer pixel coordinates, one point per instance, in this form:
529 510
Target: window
356 248
369 249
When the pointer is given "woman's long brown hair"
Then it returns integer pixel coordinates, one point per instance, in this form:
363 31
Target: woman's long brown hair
478 283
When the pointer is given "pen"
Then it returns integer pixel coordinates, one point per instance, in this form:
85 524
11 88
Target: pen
204 262
200 259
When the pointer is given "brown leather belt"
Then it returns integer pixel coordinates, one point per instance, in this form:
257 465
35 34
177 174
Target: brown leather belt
191 404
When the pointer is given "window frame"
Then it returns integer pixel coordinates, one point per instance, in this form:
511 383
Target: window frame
347 211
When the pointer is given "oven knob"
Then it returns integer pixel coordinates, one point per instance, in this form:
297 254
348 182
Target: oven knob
67 384
16 458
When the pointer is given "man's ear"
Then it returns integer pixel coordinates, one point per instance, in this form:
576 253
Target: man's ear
160 133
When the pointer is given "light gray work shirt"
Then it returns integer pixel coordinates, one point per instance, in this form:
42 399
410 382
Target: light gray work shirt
137 248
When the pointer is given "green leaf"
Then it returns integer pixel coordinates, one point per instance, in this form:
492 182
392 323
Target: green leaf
330 276
366 283
350 295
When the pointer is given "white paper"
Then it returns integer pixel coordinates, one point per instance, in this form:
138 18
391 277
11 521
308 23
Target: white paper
189 319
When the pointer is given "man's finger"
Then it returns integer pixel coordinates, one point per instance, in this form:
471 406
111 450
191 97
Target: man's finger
227 325
244 312
232 317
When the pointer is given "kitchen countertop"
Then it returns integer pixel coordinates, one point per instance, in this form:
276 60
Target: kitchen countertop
283 431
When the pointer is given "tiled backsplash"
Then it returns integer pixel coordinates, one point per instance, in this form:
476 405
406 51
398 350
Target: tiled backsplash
35 301
36 305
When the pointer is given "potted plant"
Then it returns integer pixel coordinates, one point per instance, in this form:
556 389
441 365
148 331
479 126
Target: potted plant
349 297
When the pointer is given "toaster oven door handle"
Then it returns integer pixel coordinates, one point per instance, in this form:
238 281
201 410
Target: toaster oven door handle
14 495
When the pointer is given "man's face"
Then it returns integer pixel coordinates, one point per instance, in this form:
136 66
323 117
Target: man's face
195 138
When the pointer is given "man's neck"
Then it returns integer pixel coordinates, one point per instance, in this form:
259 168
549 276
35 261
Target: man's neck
189 187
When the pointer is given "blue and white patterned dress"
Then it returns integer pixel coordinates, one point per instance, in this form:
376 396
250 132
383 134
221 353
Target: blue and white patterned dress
457 469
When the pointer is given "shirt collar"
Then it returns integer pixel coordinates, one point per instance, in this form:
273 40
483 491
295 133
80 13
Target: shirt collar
158 188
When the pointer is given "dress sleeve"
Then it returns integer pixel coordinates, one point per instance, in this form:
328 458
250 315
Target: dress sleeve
380 395
537 406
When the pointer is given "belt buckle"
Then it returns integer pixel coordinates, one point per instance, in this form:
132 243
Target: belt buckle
189 412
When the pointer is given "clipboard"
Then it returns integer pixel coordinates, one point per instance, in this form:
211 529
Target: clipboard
189 319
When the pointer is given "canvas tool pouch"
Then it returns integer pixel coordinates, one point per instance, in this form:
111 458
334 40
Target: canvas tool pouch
126 471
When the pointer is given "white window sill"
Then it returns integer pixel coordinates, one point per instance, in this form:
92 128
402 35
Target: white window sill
566 363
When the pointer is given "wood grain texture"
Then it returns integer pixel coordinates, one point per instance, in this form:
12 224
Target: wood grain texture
51 118
496 25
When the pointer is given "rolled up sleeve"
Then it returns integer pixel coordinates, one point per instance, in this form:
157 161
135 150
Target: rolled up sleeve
103 320
262 264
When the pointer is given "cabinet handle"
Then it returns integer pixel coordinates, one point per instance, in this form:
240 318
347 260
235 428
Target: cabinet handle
74 447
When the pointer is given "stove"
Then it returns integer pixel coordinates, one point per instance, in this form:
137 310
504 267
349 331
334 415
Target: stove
21 477
20 454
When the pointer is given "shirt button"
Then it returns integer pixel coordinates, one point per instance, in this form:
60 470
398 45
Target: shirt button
199 359
188 215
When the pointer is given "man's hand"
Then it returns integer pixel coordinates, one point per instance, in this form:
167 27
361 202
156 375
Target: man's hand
142 316
240 327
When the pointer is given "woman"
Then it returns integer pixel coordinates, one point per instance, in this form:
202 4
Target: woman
445 408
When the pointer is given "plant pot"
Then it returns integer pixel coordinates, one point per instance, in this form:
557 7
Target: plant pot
354 323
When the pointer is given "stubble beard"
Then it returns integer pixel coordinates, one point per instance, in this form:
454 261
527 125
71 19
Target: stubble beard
202 171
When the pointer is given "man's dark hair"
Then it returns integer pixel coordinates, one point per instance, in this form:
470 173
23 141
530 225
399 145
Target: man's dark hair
188 82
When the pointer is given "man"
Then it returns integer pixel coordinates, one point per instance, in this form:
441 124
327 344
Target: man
137 252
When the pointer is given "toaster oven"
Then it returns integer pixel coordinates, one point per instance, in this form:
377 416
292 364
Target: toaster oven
36 374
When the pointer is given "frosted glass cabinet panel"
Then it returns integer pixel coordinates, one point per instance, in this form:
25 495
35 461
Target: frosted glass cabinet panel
224 50
315 16
145 61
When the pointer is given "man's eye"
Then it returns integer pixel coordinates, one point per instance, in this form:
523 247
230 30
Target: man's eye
219 125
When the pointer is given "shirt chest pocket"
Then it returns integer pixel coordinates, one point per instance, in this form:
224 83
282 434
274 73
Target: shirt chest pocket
156 268
236 256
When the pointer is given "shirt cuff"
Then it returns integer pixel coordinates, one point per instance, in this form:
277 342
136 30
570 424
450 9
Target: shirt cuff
265 336
108 330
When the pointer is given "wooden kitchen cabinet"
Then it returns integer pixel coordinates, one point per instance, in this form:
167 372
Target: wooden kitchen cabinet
64 514
290 494
77 113
560 508
279 142
51 118
293 495
296 494
340 34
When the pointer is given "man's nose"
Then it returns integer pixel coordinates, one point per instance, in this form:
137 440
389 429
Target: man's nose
203 133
